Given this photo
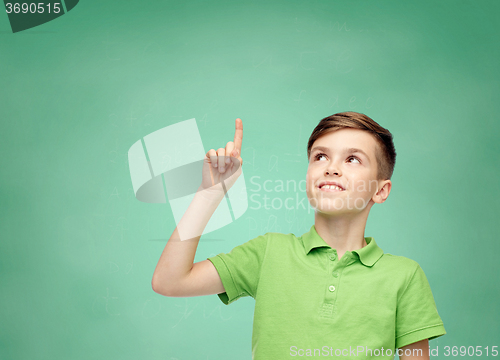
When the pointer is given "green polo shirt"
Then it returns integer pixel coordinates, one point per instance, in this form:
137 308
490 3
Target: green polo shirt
308 303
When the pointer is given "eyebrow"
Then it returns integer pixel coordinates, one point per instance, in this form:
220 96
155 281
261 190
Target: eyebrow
347 150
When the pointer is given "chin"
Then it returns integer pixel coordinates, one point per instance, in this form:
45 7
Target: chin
326 206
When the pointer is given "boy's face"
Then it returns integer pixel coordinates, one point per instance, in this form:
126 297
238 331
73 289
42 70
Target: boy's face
334 158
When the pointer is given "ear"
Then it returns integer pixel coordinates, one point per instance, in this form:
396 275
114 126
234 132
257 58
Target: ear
383 193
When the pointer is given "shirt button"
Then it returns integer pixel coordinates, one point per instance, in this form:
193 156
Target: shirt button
332 257
332 288
335 274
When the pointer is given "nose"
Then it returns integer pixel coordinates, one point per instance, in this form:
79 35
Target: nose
332 169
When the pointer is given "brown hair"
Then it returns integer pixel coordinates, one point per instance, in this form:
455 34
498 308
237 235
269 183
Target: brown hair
385 153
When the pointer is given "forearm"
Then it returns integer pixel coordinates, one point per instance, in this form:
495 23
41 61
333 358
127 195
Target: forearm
178 255
415 351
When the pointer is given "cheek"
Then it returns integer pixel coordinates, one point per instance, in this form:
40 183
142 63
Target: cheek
309 181
362 184
308 176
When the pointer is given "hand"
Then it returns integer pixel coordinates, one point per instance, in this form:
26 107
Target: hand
223 165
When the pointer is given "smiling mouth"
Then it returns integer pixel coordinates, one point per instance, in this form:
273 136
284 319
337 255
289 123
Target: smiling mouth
331 188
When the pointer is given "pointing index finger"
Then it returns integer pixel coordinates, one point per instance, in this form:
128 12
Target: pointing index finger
238 135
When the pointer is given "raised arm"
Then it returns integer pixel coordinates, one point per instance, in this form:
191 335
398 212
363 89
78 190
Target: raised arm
175 273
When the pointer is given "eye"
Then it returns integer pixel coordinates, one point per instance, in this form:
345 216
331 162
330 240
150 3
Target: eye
317 156
355 158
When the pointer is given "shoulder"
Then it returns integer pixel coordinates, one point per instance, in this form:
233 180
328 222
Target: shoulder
399 262
277 237
281 244
398 267
262 243
412 278
265 241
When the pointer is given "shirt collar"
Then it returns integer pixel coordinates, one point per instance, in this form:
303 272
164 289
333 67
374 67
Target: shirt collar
368 255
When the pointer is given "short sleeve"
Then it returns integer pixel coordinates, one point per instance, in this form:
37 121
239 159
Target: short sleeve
239 269
417 317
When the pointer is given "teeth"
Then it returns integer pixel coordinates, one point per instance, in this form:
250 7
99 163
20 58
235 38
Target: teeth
334 187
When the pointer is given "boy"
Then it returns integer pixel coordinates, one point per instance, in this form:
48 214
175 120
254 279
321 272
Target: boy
330 292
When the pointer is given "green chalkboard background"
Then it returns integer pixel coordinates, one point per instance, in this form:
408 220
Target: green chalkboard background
78 250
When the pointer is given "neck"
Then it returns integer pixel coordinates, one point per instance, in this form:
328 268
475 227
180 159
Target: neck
343 232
